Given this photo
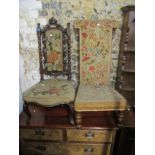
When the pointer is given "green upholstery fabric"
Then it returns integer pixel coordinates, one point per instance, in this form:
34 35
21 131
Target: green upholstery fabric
50 92
99 98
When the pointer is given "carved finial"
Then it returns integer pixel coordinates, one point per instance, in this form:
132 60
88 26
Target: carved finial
52 21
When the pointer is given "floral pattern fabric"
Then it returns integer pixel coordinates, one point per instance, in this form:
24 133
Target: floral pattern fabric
95 50
99 98
54 50
51 92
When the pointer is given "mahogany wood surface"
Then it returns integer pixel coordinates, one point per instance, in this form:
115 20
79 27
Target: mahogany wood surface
57 118
125 136
129 120
125 82
49 128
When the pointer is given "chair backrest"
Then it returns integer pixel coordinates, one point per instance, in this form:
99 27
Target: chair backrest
54 49
95 39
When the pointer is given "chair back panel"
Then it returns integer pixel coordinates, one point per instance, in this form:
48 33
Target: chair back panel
95 50
54 49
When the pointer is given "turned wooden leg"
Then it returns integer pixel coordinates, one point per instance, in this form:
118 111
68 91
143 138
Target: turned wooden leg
121 116
71 113
78 119
27 112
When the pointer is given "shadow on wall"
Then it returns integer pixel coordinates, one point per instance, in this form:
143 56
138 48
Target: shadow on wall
20 101
21 83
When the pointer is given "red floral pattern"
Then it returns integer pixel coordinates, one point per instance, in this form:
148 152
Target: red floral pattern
84 35
95 51
91 68
85 58
54 50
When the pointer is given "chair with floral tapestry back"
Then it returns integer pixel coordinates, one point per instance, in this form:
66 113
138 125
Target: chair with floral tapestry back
55 87
94 92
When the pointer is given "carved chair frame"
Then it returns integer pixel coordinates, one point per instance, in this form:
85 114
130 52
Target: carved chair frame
66 40
66 49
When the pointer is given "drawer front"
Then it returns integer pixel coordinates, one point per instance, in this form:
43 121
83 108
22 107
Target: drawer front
41 134
86 149
90 135
42 148
66 148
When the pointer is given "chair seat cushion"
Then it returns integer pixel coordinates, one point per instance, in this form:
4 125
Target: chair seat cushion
99 98
50 92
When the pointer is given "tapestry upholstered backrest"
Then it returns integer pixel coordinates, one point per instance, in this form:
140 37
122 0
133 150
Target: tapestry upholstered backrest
54 49
95 39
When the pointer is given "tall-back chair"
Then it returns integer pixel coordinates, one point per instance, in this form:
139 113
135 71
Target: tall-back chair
55 63
94 93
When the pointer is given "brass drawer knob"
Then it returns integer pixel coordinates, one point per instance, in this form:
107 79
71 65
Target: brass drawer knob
89 135
39 132
88 149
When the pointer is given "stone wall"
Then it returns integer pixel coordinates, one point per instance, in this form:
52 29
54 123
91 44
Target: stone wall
39 11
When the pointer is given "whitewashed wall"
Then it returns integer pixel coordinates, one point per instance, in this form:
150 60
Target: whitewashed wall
34 11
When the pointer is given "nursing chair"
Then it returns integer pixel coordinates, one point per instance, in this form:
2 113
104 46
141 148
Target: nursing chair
55 87
94 92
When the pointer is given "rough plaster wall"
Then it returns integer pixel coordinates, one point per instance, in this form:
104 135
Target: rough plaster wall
34 11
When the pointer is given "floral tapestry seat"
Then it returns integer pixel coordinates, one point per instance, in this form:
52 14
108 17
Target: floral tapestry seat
49 93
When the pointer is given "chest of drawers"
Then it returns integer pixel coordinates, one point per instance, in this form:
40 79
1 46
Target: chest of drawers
55 136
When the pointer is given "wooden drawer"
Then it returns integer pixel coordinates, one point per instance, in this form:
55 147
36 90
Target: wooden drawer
41 134
86 149
90 135
67 148
42 148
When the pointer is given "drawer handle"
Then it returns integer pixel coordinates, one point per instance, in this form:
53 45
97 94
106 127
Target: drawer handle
89 135
88 149
41 148
39 132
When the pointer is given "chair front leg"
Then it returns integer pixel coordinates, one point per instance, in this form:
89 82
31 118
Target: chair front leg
27 112
78 119
121 116
71 113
